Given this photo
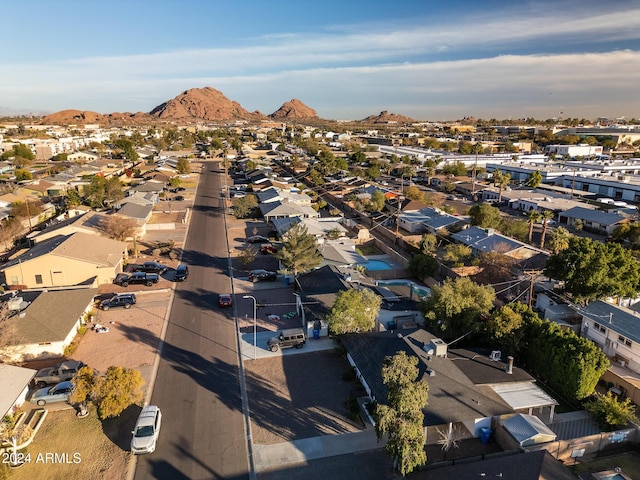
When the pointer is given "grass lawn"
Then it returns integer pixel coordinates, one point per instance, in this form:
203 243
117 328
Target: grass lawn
92 442
628 462
366 250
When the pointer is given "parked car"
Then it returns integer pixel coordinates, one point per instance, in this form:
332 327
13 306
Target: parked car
257 239
147 279
268 248
57 393
145 433
224 300
259 275
292 337
178 198
119 300
151 267
182 272
60 373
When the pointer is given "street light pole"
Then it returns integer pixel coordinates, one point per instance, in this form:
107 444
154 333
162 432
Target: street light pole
255 303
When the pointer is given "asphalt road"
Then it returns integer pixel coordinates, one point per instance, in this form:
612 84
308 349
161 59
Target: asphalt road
203 432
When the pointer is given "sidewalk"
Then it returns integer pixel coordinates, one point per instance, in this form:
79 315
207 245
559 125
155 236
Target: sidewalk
280 454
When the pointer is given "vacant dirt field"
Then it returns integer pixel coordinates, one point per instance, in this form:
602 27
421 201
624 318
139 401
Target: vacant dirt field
299 396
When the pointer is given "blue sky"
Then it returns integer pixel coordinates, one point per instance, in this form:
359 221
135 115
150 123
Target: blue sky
430 60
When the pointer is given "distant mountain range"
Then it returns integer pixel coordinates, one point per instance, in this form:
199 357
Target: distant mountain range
207 104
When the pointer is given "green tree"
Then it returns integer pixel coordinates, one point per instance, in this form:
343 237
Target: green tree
243 207
377 201
504 329
559 240
428 244
532 217
569 364
414 193
299 252
629 232
112 393
534 179
501 180
175 182
354 311
455 307
457 169
113 191
22 175
456 253
73 198
402 417
423 266
183 166
611 412
485 216
546 215
592 269
515 228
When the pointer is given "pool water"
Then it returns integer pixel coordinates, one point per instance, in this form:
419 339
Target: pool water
374 265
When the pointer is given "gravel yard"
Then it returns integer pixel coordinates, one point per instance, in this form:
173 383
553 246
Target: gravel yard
299 396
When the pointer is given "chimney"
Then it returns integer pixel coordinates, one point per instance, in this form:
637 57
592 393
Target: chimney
509 365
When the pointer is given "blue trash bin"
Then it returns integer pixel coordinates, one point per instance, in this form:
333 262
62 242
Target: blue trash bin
485 434
286 280
316 334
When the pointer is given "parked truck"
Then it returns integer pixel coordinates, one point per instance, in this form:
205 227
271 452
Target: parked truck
147 279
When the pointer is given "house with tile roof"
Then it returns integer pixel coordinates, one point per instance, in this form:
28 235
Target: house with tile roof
75 259
49 323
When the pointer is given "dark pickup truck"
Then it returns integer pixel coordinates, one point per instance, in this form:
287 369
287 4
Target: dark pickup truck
147 279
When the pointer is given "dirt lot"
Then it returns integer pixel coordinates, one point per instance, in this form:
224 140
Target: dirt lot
299 396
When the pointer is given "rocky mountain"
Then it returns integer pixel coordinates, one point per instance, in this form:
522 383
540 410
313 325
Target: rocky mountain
386 117
67 117
203 104
294 110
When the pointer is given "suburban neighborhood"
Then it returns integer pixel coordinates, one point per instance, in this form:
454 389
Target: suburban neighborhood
444 299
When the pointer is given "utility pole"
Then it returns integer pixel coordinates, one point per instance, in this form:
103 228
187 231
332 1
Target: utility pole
532 273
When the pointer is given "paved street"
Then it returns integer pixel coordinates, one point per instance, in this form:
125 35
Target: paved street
198 386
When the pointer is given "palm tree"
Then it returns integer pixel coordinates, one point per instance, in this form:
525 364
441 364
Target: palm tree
559 240
501 180
532 217
546 216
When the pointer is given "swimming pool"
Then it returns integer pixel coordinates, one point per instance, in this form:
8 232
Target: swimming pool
375 265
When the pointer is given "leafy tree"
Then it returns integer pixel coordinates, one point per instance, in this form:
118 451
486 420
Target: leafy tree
611 412
545 215
118 228
457 169
175 182
423 266
9 230
243 207
559 240
112 393
402 417
113 190
334 233
534 179
504 329
60 157
73 197
592 269
30 208
485 216
23 175
19 150
570 364
414 193
515 228
629 232
128 150
428 243
455 307
299 252
354 311
119 388
377 202
183 166
532 217
456 253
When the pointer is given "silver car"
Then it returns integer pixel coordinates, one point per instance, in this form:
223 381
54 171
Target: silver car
145 434
57 393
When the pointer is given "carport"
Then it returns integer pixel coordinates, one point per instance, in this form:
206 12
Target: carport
525 396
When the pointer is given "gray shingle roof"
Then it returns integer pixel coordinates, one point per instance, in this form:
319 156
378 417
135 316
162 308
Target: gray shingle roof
595 216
